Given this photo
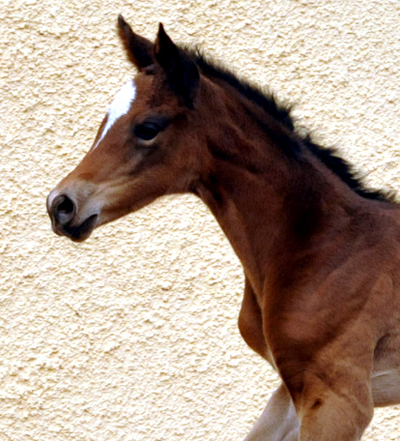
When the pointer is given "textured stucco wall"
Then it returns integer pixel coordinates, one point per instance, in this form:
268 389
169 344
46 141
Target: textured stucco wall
132 335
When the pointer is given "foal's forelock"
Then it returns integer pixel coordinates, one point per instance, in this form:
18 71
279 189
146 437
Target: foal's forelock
120 106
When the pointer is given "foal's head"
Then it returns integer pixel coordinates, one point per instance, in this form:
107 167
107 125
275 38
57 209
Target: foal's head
149 144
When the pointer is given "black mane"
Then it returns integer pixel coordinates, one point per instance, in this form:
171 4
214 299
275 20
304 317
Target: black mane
281 113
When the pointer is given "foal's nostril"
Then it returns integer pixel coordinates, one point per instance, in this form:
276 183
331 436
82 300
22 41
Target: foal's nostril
63 209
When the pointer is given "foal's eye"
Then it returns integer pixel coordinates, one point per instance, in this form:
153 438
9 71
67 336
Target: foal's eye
146 131
150 128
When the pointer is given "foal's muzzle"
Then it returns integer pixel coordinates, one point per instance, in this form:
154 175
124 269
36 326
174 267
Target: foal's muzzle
62 210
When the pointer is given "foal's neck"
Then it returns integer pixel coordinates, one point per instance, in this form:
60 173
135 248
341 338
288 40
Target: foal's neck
274 209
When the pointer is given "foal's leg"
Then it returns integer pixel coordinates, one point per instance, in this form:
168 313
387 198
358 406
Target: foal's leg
339 411
278 422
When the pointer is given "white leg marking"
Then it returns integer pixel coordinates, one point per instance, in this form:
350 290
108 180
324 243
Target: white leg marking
278 422
120 106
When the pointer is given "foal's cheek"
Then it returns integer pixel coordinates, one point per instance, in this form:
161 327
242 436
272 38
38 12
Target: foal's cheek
151 156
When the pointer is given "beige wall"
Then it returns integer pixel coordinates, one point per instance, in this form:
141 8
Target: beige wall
132 335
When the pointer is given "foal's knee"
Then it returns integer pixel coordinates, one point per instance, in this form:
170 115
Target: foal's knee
335 415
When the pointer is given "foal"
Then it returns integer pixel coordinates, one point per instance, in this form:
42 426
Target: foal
320 253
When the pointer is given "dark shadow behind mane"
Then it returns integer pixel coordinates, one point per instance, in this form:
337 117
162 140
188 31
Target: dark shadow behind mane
282 113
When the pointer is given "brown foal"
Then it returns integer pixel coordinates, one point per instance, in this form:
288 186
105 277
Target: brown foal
321 253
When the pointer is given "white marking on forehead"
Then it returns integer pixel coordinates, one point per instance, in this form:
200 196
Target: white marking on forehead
120 106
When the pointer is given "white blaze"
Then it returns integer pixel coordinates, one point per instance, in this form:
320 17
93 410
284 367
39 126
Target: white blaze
119 107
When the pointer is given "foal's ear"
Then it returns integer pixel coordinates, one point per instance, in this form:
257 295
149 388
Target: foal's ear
182 73
139 50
